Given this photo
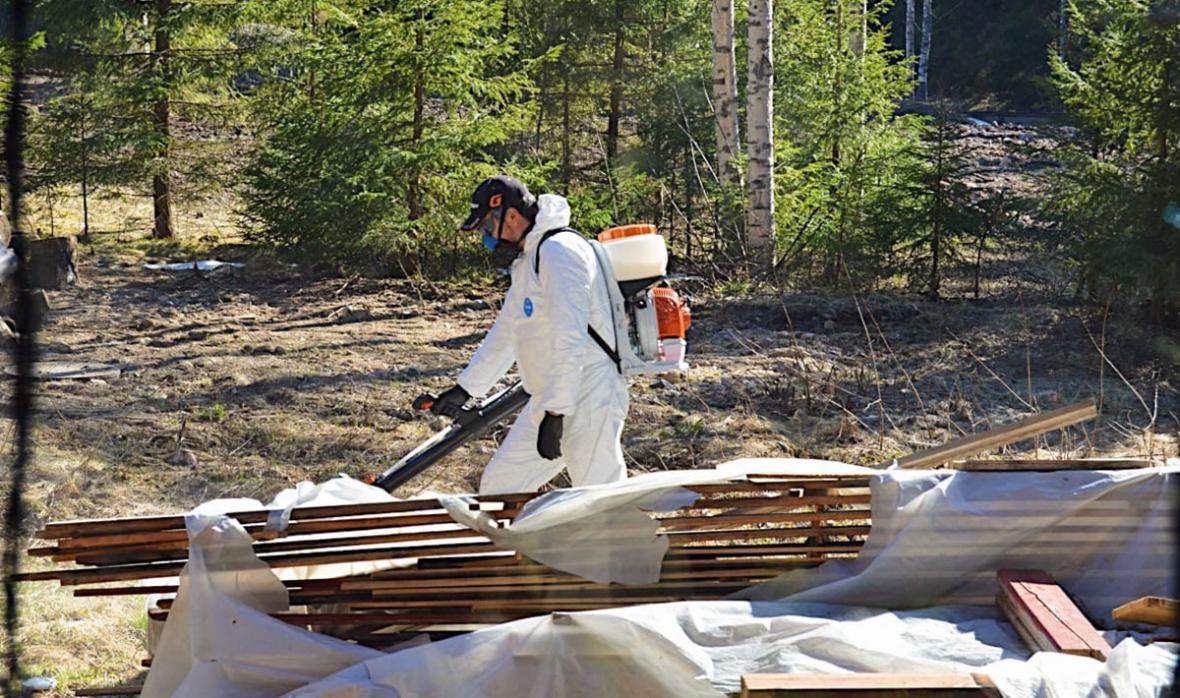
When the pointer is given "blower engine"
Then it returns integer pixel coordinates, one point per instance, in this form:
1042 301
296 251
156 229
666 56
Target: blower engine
650 319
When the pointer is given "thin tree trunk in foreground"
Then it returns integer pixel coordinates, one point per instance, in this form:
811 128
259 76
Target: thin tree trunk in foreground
161 180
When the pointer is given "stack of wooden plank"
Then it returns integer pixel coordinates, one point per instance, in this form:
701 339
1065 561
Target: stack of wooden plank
444 579
449 578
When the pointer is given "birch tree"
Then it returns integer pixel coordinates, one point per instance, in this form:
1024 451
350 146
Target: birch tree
909 30
760 127
924 57
725 92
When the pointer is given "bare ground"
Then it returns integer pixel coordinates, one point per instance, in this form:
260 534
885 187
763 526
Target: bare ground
243 381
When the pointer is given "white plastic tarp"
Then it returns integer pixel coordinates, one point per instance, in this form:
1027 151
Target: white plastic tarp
219 640
938 537
603 533
199 265
215 639
701 648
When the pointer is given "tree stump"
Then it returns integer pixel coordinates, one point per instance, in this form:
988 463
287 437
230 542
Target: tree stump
52 262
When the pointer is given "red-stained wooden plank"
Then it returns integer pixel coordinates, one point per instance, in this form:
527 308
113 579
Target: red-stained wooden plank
1045 616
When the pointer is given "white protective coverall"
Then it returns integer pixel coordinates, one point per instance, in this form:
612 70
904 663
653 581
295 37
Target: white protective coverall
542 328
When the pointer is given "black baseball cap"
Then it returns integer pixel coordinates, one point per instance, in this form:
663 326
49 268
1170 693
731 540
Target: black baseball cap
494 193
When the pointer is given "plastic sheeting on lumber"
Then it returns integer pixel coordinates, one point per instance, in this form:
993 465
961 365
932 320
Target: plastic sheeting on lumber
979 520
219 640
938 537
701 648
602 532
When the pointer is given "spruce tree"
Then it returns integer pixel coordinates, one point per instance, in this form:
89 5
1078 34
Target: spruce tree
161 73
368 151
1124 92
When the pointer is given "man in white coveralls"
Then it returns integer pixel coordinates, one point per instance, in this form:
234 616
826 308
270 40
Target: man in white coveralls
556 326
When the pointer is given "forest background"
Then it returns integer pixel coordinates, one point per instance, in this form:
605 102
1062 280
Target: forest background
351 132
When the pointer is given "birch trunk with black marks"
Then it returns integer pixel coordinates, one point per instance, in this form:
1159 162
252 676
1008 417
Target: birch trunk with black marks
725 93
760 109
924 57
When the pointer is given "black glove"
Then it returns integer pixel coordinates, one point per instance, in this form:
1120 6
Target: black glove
549 437
450 401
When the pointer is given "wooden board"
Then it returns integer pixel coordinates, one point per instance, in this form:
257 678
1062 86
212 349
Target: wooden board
1153 610
1030 464
1000 436
865 685
1045 616
72 370
736 534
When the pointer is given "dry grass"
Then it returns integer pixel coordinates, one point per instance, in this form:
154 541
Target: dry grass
79 642
120 217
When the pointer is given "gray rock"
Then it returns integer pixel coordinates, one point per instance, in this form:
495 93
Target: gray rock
350 313
184 457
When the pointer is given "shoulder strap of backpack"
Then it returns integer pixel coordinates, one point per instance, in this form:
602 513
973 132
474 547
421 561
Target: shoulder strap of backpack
548 234
611 353
606 348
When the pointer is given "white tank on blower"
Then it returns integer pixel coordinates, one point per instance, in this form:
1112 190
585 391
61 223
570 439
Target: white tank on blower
635 252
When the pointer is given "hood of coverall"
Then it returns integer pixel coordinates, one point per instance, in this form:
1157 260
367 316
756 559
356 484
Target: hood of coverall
553 211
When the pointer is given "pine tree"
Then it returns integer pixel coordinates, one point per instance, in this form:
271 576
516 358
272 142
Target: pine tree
843 152
945 214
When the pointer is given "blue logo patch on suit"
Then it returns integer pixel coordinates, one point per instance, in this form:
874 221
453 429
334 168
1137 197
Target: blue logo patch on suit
528 307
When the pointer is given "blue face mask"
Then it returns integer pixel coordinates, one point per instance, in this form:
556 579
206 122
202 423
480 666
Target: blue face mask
489 241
